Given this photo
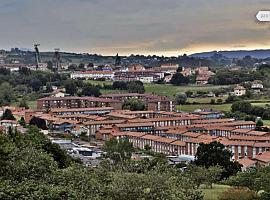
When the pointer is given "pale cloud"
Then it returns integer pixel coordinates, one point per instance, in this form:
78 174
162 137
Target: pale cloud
133 26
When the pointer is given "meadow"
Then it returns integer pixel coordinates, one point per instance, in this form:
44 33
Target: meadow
215 192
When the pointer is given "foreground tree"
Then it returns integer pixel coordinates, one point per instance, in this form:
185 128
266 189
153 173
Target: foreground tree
152 186
118 150
255 179
202 175
215 154
30 168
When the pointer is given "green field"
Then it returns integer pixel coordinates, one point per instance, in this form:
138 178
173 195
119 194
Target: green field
171 90
162 89
94 82
206 100
266 122
221 107
192 107
31 104
215 192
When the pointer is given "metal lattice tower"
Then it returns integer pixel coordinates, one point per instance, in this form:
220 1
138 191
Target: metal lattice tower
57 58
37 55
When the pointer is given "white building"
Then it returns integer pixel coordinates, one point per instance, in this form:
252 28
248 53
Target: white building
146 79
109 75
257 86
239 90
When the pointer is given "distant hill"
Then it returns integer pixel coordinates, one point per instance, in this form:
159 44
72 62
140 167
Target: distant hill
260 53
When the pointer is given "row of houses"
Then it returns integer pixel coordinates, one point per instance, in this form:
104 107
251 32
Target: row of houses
256 87
145 76
137 72
153 102
165 132
184 140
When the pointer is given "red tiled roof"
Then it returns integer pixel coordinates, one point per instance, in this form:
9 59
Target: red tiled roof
263 157
125 125
179 143
164 140
94 99
191 134
135 134
112 122
246 162
80 109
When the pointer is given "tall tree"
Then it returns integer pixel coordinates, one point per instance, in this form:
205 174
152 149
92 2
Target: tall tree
135 87
91 90
181 98
71 87
118 150
215 154
6 94
179 79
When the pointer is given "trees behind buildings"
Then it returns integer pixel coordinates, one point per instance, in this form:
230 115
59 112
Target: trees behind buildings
179 79
134 104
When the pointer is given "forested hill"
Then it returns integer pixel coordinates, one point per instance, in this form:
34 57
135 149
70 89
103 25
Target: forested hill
261 54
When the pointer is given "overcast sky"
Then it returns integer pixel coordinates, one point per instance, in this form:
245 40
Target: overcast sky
164 27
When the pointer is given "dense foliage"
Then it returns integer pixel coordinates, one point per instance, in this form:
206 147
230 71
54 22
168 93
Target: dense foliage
247 108
215 154
255 179
31 167
134 104
227 77
179 79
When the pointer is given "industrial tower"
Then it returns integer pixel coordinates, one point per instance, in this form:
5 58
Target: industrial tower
37 55
57 59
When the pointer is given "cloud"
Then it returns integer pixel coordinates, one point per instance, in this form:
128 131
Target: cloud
129 26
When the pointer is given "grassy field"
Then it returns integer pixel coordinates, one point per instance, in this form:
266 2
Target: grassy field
266 122
171 90
162 89
31 104
206 99
203 105
192 107
215 192
94 82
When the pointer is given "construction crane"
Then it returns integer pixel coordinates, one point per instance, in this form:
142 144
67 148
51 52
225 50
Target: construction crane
57 58
37 55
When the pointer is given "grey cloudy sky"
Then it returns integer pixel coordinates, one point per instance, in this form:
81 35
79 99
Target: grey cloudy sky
167 27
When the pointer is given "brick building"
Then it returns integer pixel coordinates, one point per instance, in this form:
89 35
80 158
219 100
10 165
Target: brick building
48 103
